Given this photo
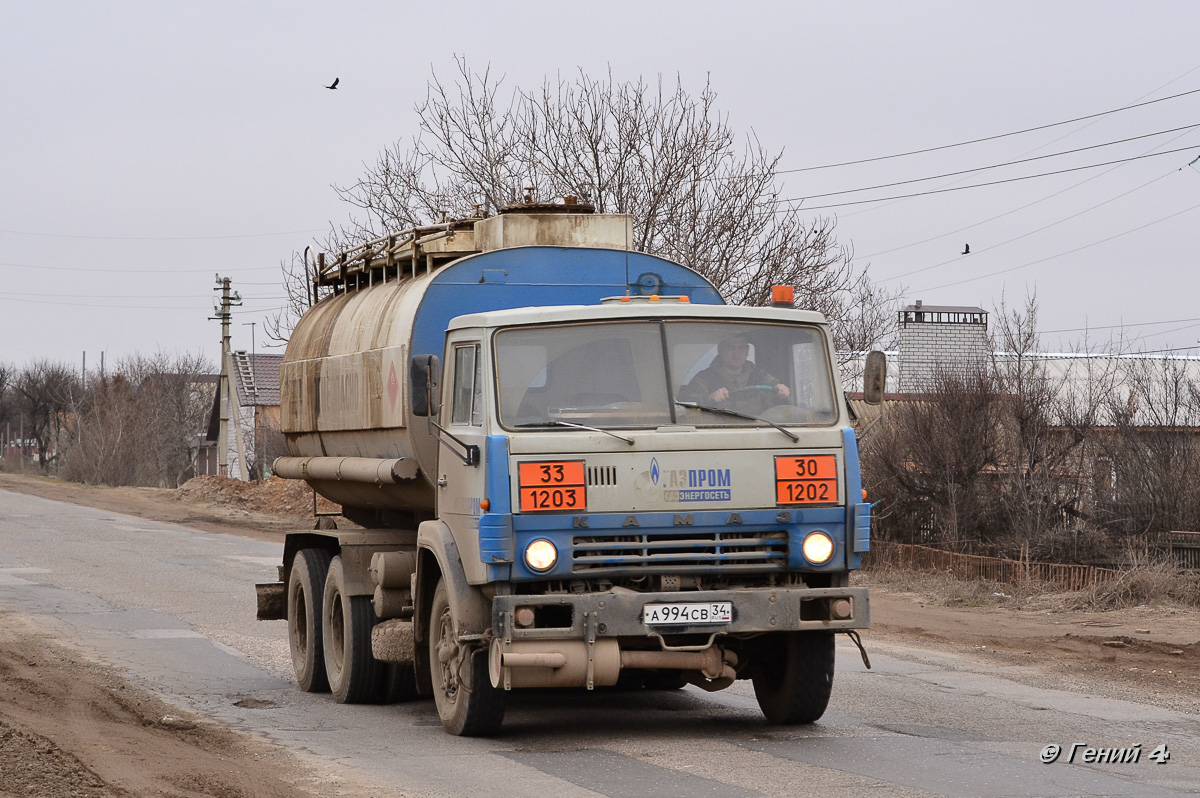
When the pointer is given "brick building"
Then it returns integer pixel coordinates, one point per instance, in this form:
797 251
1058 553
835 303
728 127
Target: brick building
937 338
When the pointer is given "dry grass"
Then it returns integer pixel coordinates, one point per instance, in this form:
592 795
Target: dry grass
941 588
1147 582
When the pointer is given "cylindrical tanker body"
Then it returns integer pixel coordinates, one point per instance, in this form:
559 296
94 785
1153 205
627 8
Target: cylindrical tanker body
346 379
345 393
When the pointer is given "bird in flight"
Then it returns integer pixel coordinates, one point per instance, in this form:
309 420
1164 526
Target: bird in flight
334 84
966 247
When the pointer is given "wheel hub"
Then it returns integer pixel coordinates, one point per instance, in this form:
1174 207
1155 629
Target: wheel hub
449 655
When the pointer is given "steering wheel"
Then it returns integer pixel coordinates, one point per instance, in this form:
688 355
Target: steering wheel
750 389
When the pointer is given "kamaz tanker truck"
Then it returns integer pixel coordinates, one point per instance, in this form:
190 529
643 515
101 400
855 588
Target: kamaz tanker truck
573 465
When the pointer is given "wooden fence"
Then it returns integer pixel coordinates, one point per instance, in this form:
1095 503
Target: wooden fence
973 567
1183 548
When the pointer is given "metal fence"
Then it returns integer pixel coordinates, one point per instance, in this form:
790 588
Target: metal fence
973 567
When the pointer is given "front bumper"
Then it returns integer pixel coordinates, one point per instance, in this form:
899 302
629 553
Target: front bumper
619 614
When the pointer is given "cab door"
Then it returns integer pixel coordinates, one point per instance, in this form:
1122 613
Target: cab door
462 446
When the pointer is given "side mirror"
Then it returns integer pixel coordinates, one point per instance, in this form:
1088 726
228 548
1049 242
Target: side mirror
874 378
423 381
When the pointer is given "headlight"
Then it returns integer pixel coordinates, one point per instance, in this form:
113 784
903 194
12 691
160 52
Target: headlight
540 555
818 548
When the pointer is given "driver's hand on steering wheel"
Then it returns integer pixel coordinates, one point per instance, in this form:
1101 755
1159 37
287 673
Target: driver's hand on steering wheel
719 395
783 389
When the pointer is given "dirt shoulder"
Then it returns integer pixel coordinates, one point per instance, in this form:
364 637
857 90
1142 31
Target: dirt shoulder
71 727
263 512
1146 653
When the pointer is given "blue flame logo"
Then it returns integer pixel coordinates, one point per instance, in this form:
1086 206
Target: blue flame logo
654 470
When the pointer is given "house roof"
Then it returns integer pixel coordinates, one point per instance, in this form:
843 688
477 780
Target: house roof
256 378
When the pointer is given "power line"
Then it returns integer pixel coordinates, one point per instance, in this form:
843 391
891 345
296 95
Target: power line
1061 254
126 296
1033 232
160 238
1177 329
25 300
165 272
1053 141
1020 207
1119 326
987 138
980 185
1156 351
985 168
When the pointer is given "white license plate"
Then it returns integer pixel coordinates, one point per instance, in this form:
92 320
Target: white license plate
713 612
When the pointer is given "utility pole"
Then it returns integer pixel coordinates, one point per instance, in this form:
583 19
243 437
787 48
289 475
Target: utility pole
224 315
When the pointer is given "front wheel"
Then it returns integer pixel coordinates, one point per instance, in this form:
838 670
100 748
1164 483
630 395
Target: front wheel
462 689
793 676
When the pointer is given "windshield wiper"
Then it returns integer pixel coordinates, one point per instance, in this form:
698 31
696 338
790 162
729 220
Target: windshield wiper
724 411
557 423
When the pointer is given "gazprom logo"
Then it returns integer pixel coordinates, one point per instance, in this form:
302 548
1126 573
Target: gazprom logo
654 472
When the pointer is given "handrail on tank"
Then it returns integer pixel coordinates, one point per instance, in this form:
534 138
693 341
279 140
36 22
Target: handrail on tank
388 252
384 253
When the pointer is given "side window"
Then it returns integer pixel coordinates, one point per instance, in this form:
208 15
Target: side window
468 387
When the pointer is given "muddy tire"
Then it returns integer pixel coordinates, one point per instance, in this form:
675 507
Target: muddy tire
399 683
306 586
423 675
793 676
355 676
462 690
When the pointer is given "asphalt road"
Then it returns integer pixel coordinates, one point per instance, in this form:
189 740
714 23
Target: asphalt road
173 608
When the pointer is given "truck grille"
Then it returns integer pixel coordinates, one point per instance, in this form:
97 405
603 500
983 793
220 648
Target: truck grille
667 552
601 476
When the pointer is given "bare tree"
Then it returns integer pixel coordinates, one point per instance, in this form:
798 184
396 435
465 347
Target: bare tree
48 393
8 409
139 421
666 157
1153 451
933 465
7 405
1049 421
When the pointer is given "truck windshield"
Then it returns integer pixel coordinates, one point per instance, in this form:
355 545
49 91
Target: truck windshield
615 374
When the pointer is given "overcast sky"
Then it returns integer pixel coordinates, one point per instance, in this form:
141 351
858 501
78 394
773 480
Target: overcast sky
149 146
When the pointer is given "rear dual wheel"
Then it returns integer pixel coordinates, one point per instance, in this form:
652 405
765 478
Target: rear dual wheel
355 676
305 588
329 634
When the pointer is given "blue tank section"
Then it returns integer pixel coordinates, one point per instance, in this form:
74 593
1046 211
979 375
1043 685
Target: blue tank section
546 276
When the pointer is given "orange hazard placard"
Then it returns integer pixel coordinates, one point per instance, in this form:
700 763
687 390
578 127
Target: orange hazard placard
557 485
811 479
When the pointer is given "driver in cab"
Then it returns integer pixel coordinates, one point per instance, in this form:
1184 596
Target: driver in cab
734 382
